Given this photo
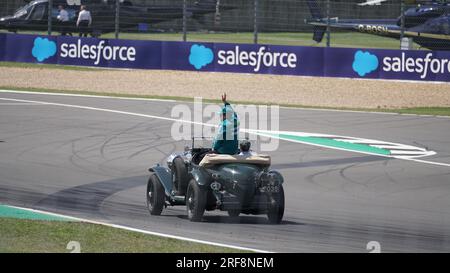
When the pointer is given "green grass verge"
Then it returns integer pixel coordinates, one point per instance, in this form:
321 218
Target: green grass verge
433 111
346 39
20 235
48 66
338 39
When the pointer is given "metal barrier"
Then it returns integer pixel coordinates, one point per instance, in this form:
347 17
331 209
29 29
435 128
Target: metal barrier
283 22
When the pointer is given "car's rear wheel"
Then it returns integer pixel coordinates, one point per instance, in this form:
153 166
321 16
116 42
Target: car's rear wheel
180 176
155 195
276 210
195 201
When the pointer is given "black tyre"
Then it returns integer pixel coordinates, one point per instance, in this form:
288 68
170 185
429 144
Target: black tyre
234 213
195 201
155 195
180 176
276 211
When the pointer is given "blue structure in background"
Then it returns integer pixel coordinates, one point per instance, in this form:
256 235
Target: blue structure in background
143 27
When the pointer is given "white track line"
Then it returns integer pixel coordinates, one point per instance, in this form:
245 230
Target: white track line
168 100
424 161
142 230
17 103
210 125
107 110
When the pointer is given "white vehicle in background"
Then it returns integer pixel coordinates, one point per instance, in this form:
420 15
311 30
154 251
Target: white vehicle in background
372 3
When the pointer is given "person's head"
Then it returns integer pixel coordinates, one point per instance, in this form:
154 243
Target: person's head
245 145
60 7
83 7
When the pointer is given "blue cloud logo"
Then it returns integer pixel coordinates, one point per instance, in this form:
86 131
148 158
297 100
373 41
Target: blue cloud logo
364 63
200 56
43 49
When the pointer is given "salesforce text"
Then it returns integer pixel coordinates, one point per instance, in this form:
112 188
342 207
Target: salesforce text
418 65
96 52
256 58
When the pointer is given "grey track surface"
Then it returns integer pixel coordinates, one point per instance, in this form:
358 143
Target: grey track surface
94 165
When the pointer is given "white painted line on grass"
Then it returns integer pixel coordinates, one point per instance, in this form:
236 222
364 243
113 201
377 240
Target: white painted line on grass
142 230
213 125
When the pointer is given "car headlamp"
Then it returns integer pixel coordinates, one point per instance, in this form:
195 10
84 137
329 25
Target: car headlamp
215 186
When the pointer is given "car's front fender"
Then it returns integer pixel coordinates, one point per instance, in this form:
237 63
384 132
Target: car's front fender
202 178
281 178
165 176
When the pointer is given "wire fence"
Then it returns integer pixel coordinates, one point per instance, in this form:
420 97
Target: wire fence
339 23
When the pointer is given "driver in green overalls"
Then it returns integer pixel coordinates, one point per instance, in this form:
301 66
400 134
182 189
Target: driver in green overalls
226 140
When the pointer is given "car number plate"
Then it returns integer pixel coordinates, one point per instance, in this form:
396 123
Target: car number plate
271 189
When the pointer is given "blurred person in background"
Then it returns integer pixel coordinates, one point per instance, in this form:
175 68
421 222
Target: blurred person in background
84 21
63 20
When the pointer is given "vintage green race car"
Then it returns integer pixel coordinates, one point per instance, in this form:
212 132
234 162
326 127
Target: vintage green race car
203 181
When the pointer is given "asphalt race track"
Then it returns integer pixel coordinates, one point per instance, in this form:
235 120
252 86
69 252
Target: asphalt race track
93 164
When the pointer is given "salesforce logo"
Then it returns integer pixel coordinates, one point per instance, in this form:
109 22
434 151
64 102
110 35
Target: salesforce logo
421 66
97 52
257 59
364 63
200 56
43 49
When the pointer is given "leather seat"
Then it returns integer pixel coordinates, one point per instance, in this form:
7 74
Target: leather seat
215 159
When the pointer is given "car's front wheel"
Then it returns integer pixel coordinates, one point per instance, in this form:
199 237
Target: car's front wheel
195 201
155 195
276 209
